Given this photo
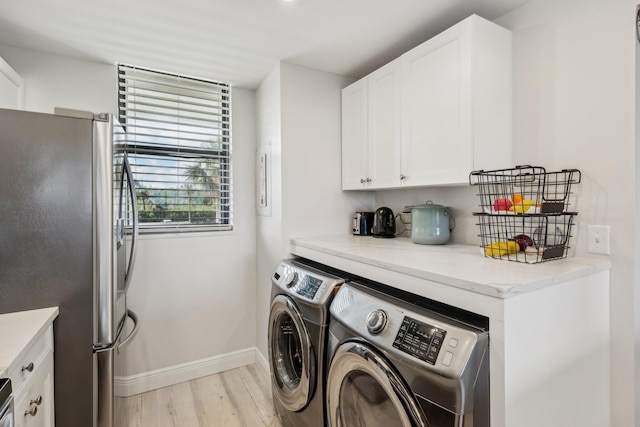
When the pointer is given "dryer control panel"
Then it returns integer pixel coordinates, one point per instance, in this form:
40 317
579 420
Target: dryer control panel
305 282
433 341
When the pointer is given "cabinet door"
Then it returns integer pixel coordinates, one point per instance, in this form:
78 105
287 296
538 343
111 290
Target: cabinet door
34 406
354 136
384 125
436 132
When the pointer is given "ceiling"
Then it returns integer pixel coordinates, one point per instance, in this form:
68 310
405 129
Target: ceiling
235 41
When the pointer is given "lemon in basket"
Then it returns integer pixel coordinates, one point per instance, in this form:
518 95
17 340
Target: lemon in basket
523 206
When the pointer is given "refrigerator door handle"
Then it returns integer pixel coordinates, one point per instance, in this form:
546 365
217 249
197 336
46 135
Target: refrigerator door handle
136 225
117 344
134 317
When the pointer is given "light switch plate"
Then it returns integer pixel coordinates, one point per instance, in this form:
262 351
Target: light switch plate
598 236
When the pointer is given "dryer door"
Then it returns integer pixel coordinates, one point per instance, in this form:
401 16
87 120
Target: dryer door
291 355
363 389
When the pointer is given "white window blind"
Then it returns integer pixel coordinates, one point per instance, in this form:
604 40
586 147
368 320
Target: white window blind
179 146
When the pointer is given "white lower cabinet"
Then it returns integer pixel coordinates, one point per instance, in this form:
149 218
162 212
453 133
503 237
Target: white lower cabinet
32 383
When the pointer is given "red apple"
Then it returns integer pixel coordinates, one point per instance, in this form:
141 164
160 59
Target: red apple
502 205
523 241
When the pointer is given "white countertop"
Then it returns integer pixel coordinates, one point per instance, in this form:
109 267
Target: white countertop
18 329
461 266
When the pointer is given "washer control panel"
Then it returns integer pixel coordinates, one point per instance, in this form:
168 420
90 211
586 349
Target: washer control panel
420 339
305 282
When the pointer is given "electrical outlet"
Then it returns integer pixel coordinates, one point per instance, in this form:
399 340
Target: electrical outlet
598 236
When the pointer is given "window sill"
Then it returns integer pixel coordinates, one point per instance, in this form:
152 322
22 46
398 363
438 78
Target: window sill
184 234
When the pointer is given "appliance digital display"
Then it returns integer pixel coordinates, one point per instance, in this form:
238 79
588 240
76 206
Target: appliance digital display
420 340
309 286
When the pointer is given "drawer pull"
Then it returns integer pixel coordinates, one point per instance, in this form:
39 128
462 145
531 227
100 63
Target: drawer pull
29 367
37 401
32 411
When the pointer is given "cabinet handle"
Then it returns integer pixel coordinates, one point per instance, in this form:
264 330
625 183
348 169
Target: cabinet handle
402 177
368 179
32 411
362 181
29 367
37 401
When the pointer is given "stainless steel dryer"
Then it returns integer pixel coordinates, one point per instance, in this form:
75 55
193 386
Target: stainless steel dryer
298 331
398 364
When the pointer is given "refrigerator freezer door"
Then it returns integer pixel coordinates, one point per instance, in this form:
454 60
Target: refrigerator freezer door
46 242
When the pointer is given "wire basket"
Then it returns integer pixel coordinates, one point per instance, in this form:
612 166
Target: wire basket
524 212
527 238
524 189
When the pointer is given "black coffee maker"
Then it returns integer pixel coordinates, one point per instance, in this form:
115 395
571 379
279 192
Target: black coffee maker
384 223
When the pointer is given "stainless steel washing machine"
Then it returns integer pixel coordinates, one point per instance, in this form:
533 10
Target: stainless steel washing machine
397 364
298 331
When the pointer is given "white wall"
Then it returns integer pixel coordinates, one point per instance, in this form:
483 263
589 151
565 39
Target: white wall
315 204
299 113
194 293
574 76
11 87
58 81
269 223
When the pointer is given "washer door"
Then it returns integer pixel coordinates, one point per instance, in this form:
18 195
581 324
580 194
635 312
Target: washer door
291 355
363 390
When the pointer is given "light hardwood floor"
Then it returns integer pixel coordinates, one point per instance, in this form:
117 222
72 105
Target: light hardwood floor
237 398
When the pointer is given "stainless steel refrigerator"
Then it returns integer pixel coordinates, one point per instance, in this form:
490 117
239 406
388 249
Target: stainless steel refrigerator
68 233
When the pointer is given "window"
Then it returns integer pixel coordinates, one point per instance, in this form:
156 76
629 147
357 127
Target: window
179 147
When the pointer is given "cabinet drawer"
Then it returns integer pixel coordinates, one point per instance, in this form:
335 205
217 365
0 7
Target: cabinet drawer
34 405
25 367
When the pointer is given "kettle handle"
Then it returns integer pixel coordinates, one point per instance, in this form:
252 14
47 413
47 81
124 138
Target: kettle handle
452 220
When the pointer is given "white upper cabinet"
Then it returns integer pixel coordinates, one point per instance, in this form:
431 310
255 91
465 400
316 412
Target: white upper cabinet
437 118
445 111
354 136
11 87
384 125
457 104
371 130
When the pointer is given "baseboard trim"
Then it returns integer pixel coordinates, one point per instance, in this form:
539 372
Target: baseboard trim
147 381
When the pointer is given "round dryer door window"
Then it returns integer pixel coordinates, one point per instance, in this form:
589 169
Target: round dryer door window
363 390
291 355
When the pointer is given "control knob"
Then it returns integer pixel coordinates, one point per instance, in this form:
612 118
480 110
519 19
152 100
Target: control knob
376 321
290 278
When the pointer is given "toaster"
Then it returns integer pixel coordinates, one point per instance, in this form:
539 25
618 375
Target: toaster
362 223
